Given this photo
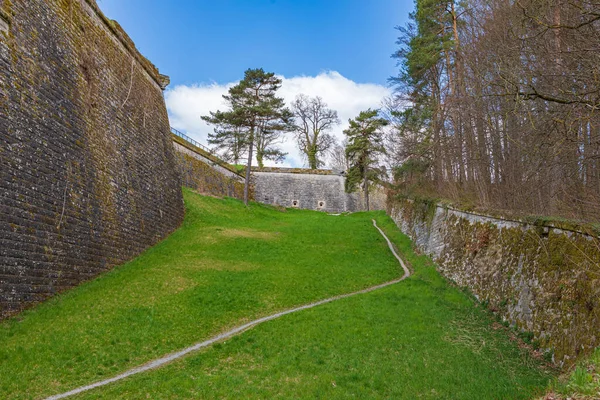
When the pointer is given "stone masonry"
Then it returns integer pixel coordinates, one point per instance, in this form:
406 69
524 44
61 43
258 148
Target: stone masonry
321 190
540 277
206 173
87 173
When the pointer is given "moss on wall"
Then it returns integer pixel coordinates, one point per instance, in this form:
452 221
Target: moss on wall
209 158
541 279
204 178
88 178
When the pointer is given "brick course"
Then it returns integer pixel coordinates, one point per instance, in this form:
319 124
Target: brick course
88 178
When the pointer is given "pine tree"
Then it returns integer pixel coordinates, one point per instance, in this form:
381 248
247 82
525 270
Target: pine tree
365 144
229 139
256 117
427 57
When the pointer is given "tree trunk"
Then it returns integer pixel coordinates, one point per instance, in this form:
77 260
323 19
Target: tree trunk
366 190
248 168
437 154
312 158
457 94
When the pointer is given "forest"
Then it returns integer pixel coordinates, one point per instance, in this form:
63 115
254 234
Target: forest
497 104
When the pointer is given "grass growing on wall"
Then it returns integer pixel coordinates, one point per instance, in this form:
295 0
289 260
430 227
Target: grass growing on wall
229 264
583 382
200 176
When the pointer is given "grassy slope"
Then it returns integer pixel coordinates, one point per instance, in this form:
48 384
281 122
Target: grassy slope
420 338
225 265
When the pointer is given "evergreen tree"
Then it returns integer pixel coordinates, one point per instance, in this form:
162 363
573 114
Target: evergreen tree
256 117
228 139
365 144
428 57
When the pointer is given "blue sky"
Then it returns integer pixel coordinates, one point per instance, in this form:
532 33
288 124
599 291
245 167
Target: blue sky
337 49
216 40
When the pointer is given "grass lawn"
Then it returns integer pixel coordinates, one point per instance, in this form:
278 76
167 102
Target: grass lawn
227 265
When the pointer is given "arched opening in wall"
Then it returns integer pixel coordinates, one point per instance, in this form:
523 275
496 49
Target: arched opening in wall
321 204
295 203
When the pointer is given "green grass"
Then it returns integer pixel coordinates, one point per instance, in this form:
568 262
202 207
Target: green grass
583 382
228 264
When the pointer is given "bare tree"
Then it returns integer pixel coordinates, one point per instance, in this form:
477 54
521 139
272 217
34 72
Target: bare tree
267 139
313 121
504 105
337 156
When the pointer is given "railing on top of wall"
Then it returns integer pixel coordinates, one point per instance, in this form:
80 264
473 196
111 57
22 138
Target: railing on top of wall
189 139
214 159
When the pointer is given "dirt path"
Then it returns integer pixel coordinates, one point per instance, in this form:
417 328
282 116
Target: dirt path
236 331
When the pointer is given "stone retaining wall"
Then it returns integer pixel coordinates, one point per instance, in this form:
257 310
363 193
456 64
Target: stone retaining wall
205 173
321 190
541 278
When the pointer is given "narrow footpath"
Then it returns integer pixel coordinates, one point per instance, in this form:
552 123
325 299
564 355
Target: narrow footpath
236 331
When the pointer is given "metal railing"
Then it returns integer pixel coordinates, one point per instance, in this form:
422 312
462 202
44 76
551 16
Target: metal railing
213 160
189 139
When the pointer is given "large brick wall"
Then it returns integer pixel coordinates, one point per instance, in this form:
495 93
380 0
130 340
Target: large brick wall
87 172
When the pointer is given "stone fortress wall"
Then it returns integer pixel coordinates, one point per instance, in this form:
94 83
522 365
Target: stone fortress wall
202 171
88 178
321 190
541 277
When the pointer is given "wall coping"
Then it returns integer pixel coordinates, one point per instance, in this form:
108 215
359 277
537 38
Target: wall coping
113 26
205 154
569 226
300 171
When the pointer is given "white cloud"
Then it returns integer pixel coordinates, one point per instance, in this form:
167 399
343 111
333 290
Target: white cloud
187 103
